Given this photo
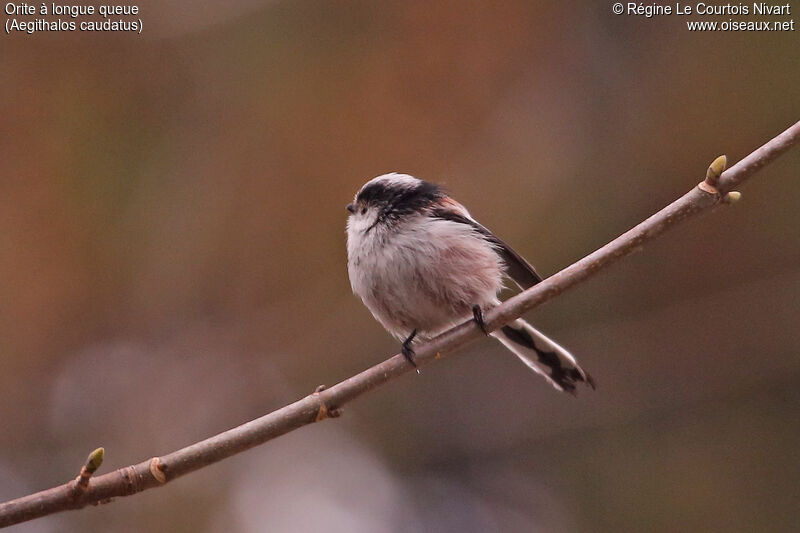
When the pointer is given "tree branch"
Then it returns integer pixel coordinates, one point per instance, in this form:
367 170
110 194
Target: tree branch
324 403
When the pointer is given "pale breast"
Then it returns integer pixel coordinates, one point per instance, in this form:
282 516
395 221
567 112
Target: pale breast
426 275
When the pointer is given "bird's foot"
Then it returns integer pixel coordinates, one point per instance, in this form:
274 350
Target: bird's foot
406 349
477 314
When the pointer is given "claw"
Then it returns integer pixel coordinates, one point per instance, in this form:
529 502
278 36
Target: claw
477 314
406 349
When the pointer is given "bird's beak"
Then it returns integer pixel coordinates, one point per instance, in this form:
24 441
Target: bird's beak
351 208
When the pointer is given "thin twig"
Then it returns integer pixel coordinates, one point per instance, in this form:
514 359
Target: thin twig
325 403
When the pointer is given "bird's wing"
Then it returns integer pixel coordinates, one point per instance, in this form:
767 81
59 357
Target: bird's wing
517 268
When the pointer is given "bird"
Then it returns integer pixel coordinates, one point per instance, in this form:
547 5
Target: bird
422 264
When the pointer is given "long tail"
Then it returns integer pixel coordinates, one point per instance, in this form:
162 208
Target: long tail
543 355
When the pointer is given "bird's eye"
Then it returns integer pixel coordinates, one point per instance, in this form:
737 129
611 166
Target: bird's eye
363 210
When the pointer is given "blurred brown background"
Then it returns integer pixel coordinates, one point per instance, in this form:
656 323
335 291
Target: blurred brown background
172 263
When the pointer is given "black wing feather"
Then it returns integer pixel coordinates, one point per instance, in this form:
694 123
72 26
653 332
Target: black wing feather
517 268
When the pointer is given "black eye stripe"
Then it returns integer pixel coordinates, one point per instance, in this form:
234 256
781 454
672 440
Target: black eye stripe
399 199
375 193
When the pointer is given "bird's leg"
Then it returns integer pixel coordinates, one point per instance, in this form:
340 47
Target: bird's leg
477 314
406 348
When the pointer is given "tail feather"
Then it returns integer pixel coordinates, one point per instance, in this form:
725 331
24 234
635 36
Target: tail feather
543 355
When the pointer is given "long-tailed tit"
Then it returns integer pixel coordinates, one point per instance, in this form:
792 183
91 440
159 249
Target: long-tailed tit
421 264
